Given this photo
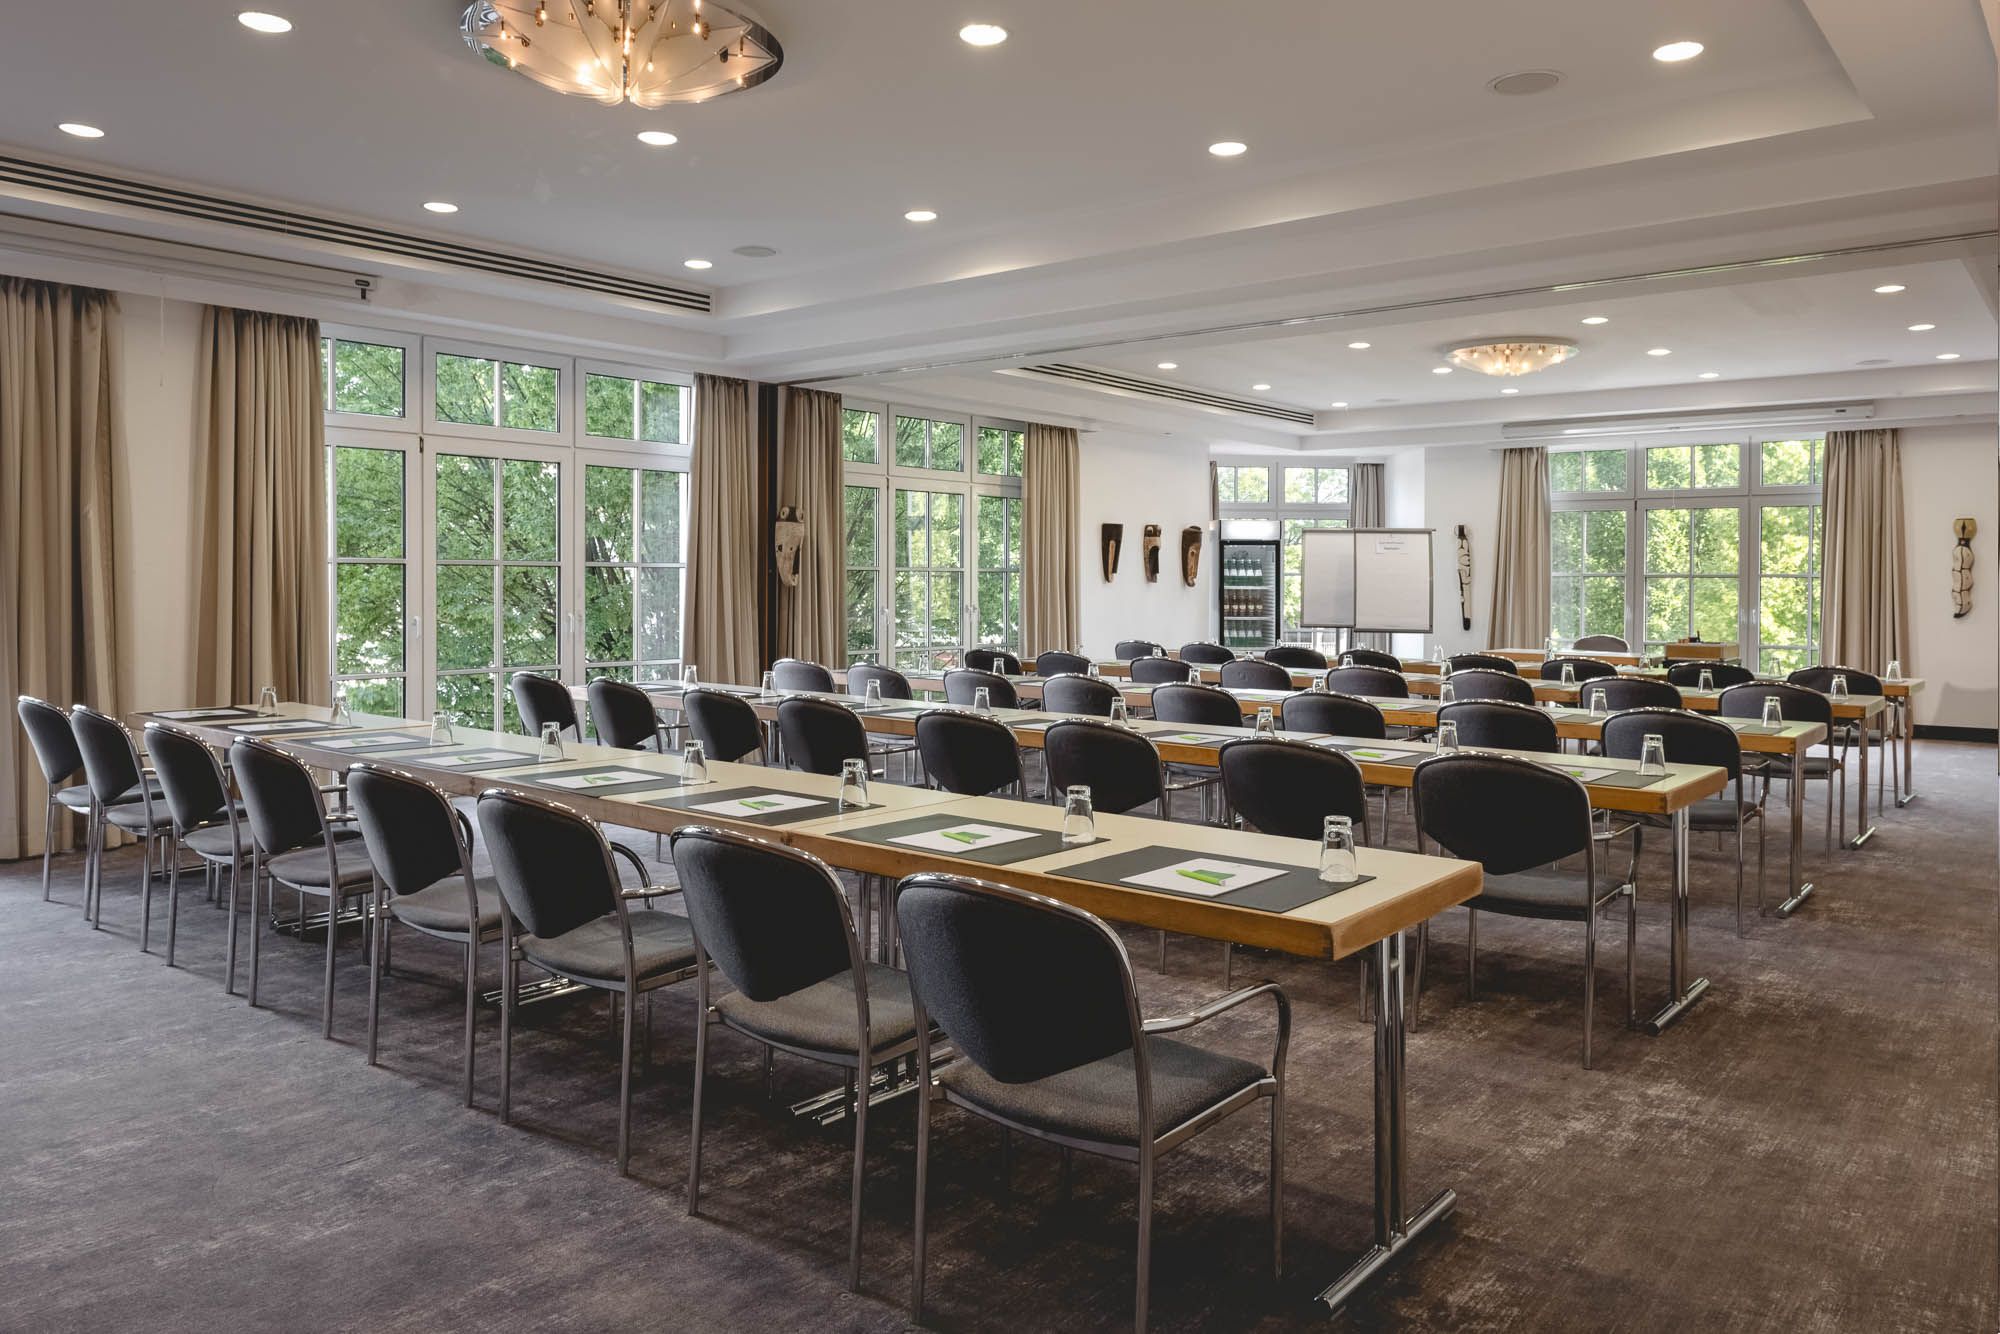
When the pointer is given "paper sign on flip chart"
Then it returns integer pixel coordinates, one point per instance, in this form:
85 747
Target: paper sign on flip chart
763 803
963 837
1204 875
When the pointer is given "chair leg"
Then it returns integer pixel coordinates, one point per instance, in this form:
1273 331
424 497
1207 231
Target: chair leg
146 892
471 1005
1589 978
923 1183
1417 977
510 972
1742 855
255 926
235 879
1163 951
694 1127
378 926
48 842
1471 953
1632 955
1228 962
1145 1282
1277 1183
332 935
865 1077
625 1085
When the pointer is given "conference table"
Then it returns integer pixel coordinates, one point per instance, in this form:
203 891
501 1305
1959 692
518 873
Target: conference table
644 790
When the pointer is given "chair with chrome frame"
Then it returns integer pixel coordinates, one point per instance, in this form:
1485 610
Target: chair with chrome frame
1693 738
1379 682
1581 669
1342 716
820 736
894 684
963 684
207 821
996 660
1487 684
969 753
1630 692
54 743
1517 819
1370 657
1204 654
1157 670
1687 675
625 717
798 674
1056 662
725 724
1296 656
1796 704
1070 693
1255 674
541 700
421 849
776 925
1060 1052
1502 725
1128 649
567 914
1120 767
1851 733
1492 662
1197 706
112 767
1601 644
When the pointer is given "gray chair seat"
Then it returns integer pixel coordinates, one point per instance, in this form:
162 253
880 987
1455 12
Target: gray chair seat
662 943
133 816
1709 813
78 798
1555 895
1099 1102
214 842
441 907
821 1017
307 866
1816 766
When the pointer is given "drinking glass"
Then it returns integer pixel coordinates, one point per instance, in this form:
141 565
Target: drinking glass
1444 669
982 700
1653 756
551 743
1894 672
1706 681
1079 825
1447 737
1446 695
769 685
694 762
441 734
1093 672
1119 714
872 695
267 700
1267 721
1569 673
1838 690
1336 852
1320 683
1437 651
689 677
340 716
1774 716
853 784
1600 704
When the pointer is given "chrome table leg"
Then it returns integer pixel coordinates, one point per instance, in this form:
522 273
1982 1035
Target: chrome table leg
1801 889
1686 990
1866 830
1906 719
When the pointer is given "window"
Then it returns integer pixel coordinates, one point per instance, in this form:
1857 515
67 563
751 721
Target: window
864 572
1242 485
371 575
1581 471
1694 467
635 554
859 430
1587 579
1000 451
482 391
999 570
1788 587
362 378
937 446
930 577
1693 563
1316 495
1315 486
622 407
498 581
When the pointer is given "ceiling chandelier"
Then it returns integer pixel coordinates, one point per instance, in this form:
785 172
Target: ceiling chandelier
645 53
1512 356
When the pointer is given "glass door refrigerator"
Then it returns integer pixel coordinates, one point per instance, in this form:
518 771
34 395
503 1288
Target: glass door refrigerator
1247 584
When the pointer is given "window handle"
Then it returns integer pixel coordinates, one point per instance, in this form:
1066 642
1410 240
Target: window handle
417 628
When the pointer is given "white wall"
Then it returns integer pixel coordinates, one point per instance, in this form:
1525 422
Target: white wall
1439 488
1136 480
1949 473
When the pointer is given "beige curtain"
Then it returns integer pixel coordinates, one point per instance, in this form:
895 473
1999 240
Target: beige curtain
57 603
1864 575
1050 618
724 527
811 613
259 522
1370 510
1521 552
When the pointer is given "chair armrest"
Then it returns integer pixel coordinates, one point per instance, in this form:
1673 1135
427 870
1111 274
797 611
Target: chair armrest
328 789
645 890
1177 1022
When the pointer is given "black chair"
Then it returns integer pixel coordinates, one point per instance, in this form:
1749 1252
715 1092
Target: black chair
1601 644
996 660
1296 655
567 914
625 716
1203 654
1690 738
1485 683
1332 714
294 843
968 753
1724 674
776 925
1630 692
54 744
1517 819
1070 693
421 848
1057 663
820 736
1852 732
962 685
1491 662
1059 1051
206 821
1582 669
1203 706
541 700
1499 725
1128 649
1368 657
1379 682
1252 674
1282 786
112 767
1157 670
798 674
1120 767
1797 705
893 683
725 724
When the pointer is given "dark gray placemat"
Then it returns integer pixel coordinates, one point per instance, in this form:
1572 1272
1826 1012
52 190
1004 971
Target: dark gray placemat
446 752
1757 729
1044 842
1172 735
1295 888
688 798
902 709
639 781
310 729
370 745
1616 779
204 715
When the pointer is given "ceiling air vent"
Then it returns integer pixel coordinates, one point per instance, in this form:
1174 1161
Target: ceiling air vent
1126 384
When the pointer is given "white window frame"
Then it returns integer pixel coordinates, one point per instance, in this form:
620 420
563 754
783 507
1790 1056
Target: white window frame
407 444
564 436
411 422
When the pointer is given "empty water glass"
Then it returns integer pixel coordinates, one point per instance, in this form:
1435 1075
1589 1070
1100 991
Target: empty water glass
1437 651
1600 704
1079 824
689 677
1653 755
267 700
1093 672
551 743
1706 681
769 685
1119 714
1336 852
1446 695
1320 683
1569 673
1444 668
982 700
1838 690
694 762
340 716
1267 721
441 734
872 694
1894 671
1447 741
853 784
1774 716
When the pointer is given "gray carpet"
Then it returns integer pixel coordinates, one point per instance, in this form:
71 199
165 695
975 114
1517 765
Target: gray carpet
1813 1149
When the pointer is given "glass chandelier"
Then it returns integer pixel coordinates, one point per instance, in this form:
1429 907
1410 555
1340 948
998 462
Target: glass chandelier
646 52
1512 356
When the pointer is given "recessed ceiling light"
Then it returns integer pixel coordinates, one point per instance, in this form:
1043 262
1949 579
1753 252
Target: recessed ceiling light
698 263
80 130
982 34
1922 328
755 251
921 215
1341 404
1709 375
1674 52
1170 365
1228 148
1525 83
658 138
1947 356
1260 388
1597 319
258 21
1659 352
1361 347
439 206
1510 391
1440 370
1888 289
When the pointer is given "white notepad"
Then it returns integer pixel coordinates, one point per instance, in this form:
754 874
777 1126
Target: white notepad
960 837
1204 875
763 803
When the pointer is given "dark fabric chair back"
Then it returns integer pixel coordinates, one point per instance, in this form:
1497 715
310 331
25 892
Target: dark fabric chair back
1120 767
798 674
552 865
1631 692
1186 702
1506 813
819 735
895 685
1502 726
1601 644
1335 715
962 684
1057 663
773 921
623 715
410 829
1204 654
1288 788
1153 670
997 660
53 740
1070 693
1796 703
190 776
1689 738
541 700
1250 674
967 753
725 724
1128 649
1821 679
1368 657
1491 662
1377 681
280 798
965 942
1296 655
1484 683
110 760
1724 674
1585 669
